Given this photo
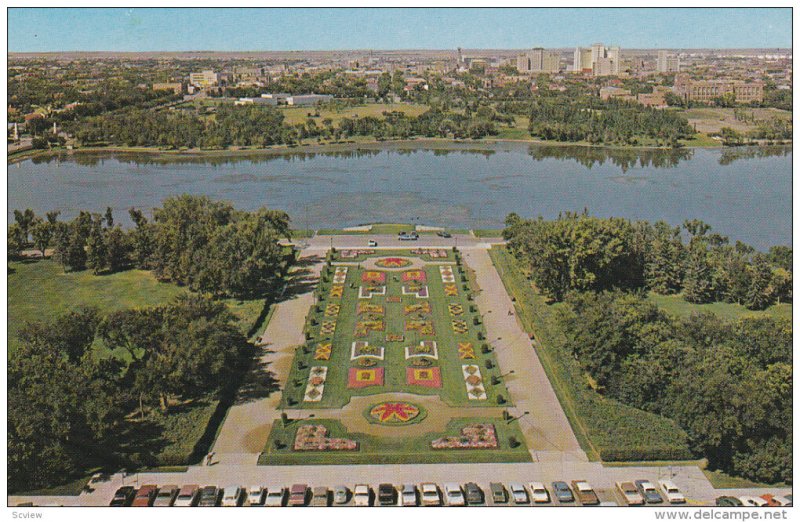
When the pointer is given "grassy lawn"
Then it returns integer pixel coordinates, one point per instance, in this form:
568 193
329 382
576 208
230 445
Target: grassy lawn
488 232
605 428
721 480
294 115
677 306
712 119
396 450
394 364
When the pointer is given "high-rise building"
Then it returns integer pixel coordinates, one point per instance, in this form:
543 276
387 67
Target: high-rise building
538 60
597 60
668 63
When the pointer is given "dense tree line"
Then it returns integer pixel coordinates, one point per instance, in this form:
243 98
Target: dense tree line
194 241
587 118
72 407
585 253
728 384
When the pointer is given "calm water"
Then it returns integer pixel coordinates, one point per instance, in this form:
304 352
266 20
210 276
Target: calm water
743 193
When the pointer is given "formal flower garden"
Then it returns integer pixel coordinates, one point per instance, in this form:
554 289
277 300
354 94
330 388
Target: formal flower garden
393 262
314 437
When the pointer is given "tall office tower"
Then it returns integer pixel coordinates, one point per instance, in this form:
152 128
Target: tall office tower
668 63
597 60
538 60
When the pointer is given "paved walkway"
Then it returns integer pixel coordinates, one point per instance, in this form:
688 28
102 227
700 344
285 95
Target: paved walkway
545 425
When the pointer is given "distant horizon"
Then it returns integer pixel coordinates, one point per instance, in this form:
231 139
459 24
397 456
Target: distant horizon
253 30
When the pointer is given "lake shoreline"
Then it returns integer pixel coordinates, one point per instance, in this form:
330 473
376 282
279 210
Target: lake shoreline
420 143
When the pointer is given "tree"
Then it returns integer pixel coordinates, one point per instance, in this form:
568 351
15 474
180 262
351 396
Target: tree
117 248
109 217
15 243
42 233
96 249
141 239
697 282
24 220
760 293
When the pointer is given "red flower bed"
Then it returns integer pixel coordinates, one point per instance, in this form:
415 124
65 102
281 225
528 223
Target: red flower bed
428 377
373 277
361 377
414 275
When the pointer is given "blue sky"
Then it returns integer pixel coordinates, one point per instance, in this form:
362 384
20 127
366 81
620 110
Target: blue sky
144 29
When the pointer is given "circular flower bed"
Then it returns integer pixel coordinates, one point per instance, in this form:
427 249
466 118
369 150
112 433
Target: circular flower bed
392 262
394 413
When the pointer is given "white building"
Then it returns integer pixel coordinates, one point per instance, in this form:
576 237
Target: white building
597 60
668 63
308 99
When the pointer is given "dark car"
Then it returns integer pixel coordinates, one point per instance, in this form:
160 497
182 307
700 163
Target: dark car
648 491
728 502
209 496
442 233
499 493
298 495
474 494
562 492
123 497
387 495
145 496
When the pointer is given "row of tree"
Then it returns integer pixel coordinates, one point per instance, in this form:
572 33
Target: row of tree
728 384
194 241
582 252
72 406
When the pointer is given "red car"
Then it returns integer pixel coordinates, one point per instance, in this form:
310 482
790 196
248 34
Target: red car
298 495
145 496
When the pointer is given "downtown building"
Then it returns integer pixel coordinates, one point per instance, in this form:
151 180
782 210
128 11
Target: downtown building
667 63
597 60
537 60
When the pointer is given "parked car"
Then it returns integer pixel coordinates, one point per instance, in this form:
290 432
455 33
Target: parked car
166 496
430 494
671 491
321 497
771 500
340 494
752 501
188 496
649 492
728 502
123 497
473 494
145 496
630 493
409 496
276 496
785 500
518 493
372 243
232 496
298 495
562 492
255 496
539 493
585 493
499 493
387 495
361 495
209 496
442 233
454 495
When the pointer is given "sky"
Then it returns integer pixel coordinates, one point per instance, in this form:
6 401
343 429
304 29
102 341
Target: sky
192 29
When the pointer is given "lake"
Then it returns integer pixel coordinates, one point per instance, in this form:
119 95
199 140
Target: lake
743 193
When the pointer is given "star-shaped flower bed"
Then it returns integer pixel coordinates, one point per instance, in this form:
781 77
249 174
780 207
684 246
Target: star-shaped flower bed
394 412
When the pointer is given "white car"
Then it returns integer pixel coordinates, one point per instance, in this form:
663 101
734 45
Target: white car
409 495
539 493
275 496
783 501
631 494
361 495
372 243
454 495
255 495
231 496
430 494
753 501
671 491
518 493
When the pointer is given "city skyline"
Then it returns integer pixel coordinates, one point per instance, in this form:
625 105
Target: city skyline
229 30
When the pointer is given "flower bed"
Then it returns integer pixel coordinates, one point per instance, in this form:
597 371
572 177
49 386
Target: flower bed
340 275
474 382
424 349
414 275
316 384
373 277
423 308
328 327
337 291
361 349
363 377
350 254
332 309
459 326
366 292
323 352
418 291
466 351
447 274
395 338
364 327
393 412
455 309
369 308
393 262
451 290
423 326
314 437
473 436
435 253
427 377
